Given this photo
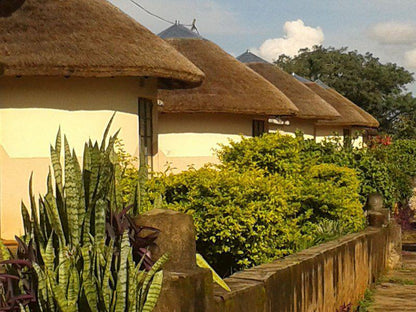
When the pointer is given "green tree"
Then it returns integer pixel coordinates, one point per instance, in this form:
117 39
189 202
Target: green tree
378 88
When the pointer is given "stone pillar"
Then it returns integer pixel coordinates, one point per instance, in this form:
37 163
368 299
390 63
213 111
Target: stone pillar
186 287
394 259
378 216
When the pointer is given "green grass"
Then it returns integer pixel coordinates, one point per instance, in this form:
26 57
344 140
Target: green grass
366 302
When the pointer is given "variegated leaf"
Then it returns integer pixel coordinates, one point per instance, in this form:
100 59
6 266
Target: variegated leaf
154 292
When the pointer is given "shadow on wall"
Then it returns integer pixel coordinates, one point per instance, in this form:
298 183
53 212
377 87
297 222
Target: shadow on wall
235 124
74 94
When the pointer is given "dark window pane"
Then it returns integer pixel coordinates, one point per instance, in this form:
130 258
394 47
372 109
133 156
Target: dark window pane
258 127
146 127
347 138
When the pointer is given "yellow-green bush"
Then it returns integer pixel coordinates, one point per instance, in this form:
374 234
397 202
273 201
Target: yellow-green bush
387 170
330 192
244 218
274 153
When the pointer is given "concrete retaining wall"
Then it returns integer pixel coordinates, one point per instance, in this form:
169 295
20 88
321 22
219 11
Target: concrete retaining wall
322 278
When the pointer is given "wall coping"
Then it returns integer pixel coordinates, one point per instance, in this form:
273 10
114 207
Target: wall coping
260 277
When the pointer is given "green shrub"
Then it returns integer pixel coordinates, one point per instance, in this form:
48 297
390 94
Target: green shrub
373 173
241 218
399 158
251 217
273 153
331 192
387 170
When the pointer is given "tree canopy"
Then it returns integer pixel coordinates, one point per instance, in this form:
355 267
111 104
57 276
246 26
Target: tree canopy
378 88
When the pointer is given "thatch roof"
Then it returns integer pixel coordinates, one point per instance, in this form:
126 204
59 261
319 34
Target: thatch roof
310 105
249 57
351 114
179 31
229 87
300 78
85 38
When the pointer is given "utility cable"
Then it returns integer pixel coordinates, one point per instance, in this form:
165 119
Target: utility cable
148 12
164 19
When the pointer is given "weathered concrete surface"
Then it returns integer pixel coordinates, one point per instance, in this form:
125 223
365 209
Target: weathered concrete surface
186 288
322 278
395 247
378 216
177 237
188 291
246 293
397 290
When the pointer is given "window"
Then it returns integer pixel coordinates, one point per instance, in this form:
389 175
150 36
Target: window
146 131
347 138
258 127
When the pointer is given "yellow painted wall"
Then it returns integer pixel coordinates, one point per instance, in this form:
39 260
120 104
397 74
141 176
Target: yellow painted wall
190 139
32 110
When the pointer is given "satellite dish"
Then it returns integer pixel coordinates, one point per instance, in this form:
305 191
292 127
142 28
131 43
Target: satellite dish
8 7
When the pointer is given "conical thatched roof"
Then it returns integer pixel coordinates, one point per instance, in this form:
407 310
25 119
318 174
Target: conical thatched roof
179 31
351 114
85 38
229 87
371 121
310 105
249 57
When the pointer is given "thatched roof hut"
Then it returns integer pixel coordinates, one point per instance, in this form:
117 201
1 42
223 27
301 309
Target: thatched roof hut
310 105
85 38
351 114
229 87
249 57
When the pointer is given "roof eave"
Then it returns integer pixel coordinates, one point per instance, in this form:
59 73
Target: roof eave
167 79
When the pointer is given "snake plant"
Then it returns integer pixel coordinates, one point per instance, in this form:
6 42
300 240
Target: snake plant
77 264
96 278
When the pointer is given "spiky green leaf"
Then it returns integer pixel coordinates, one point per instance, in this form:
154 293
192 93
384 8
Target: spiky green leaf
154 292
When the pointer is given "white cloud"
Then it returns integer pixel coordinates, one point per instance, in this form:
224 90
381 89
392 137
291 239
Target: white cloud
212 17
297 36
410 58
394 33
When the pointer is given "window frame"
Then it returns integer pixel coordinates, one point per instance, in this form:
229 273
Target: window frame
147 115
258 127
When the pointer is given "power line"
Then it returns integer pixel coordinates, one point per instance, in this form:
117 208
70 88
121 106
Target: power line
163 19
148 12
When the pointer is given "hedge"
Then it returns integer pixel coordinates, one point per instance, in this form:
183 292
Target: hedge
248 218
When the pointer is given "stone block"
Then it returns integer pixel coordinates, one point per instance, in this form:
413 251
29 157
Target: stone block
395 246
375 202
188 291
177 238
378 218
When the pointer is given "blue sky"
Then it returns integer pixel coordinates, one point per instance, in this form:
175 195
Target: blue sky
386 28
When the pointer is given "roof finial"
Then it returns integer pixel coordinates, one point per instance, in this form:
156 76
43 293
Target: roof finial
193 28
